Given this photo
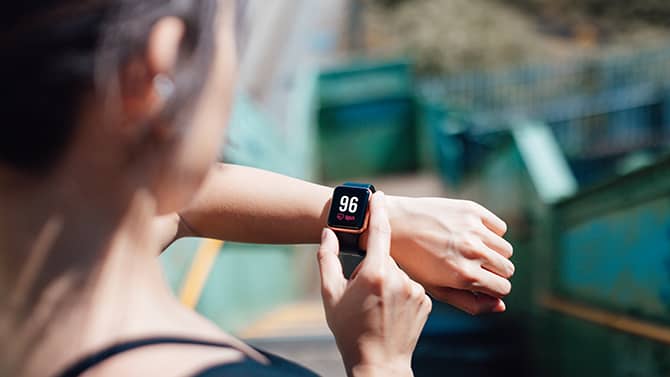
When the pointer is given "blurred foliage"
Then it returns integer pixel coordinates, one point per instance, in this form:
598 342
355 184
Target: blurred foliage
653 11
448 36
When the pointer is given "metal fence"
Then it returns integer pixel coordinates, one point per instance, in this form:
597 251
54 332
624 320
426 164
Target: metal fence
597 107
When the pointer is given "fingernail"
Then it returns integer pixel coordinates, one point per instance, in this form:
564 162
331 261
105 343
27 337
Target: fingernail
324 234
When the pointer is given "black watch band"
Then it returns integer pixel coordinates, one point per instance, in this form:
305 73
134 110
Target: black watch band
351 254
350 243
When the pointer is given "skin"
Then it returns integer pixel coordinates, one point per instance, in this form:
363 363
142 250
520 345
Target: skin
380 309
451 247
78 258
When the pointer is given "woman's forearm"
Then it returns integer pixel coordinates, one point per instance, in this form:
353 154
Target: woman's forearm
244 204
452 247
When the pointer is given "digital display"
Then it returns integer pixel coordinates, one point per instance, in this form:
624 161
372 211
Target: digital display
349 207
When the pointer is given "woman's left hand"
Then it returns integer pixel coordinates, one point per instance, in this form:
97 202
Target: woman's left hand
455 249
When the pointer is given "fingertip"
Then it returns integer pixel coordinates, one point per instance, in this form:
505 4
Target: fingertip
329 265
326 234
510 248
500 227
495 223
329 242
500 307
379 200
503 226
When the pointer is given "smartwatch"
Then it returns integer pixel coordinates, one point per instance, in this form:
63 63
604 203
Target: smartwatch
348 217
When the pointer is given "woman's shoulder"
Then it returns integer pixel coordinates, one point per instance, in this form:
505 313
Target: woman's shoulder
181 357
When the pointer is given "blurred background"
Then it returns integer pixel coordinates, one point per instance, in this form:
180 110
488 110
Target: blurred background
555 114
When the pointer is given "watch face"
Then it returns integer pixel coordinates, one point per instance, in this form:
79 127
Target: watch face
349 207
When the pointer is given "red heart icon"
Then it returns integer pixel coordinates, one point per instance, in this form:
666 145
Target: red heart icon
340 216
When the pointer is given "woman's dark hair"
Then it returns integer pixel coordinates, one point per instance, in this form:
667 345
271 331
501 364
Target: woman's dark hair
56 51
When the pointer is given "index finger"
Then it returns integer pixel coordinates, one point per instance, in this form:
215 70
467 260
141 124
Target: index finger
379 232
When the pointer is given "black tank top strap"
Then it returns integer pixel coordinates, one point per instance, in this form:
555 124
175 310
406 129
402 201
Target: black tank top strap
94 359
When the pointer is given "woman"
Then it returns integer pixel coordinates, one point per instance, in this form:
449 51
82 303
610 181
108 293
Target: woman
115 113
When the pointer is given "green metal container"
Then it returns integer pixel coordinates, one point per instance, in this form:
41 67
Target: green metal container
367 139
365 81
608 299
366 121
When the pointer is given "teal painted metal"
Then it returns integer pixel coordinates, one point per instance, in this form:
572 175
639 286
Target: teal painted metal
177 259
620 259
366 120
246 282
545 162
613 245
365 81
607 247
367 139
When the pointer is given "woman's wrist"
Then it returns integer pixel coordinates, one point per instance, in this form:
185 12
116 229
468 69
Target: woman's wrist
396 207
363 360
386 370
397 212
400 219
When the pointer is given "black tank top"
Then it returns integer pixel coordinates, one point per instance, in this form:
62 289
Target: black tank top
278 366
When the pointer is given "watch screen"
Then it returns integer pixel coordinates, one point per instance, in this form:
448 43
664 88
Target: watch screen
349 207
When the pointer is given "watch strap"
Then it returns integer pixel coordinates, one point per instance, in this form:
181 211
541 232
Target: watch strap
361 185
351 254
349 243
349 263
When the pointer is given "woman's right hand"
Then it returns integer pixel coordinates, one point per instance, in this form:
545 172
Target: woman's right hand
378 315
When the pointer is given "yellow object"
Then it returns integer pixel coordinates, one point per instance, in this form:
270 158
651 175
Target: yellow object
201 266
604 318
298 319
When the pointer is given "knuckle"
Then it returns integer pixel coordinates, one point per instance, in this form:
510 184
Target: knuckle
451 264
327 293
407 290
416 290
468 277
428 304
473 221
321 255
420 292
470 205
473 253
471 245
375 281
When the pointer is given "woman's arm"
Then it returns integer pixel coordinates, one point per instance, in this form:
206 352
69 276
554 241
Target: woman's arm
243 204
452 247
